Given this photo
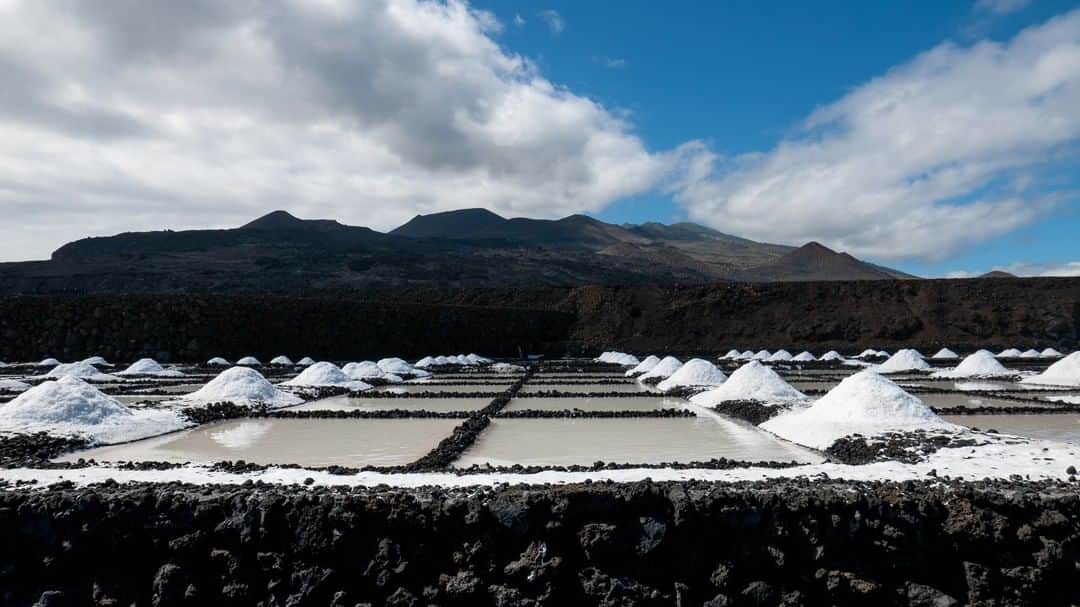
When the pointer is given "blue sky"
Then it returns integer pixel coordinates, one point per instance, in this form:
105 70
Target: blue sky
935 137
741 75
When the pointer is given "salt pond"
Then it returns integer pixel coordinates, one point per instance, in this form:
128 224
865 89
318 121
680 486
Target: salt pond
350 403
524 402
1064 427
585 388
307 442
560 442
435 387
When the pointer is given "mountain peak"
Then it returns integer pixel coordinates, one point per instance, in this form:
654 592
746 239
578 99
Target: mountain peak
461 223
274 220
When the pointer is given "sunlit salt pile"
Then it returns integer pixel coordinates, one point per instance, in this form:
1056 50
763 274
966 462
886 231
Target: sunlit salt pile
81 370
945 354
761 355
249 361
779 356
1009 353
364 370
282 360
1065 372
752 381
694 373
47 362
831 355
326 374
745 355
1030 354
217 361
804 357
618 358
70 406
865 403
644 366
731 355
507 368
13 385
149 367
1050 353
903 360
306 361
399 367
980 364
241 385
868 353
97 361
663 369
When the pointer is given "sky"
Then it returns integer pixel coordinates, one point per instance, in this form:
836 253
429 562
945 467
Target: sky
939 138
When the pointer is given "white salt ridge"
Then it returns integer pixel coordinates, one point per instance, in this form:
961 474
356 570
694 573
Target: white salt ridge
1065 372
13 385
507 368
69 406
97 361
1050 353
752 381
81 370
644 366
47 362
459 360
1030 354
363 370
243 386
306 361
780 356
218 361
980 364
832 355
399 367
868 353
664 369
746 355
249 361
1009 353
149 366
865 403
424 362
282 360
761 355
695 373
945 354
326 374
618 358
731 355
804 357
903 360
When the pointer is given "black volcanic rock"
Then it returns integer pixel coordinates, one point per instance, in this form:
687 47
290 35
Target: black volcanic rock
998 274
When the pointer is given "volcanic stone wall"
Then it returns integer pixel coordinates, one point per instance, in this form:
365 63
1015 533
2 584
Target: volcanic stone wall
799 543
179 327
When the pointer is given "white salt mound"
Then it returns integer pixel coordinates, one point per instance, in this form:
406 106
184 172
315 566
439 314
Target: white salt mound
644 366
746 355
97 361
780 356
250 361
804 357
1065 372
424 362
696 372
149 366
865 403
13 385
242 385
306 361
47 362
1030 354
81 370
752 381
1050 353
281 360
618 358
832 355
867 353
217 361
664 369
398 366
731 355
903 360
507 368
1010 353
980 364
363 370
70 406
761 355
326 374
945 354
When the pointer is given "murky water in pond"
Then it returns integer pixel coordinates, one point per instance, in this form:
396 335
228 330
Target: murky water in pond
973 400
1064 427
308 442
349 403
630 440
138 398
523 402
433 387
803 386
177 389
585 388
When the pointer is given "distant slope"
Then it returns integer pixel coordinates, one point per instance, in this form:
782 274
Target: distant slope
469 248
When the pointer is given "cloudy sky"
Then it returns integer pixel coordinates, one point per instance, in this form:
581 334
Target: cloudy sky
940 138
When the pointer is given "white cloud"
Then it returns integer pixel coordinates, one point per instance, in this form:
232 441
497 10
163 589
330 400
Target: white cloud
553 20
1001 7
519 20
614 63
1069 268
148 114
934 154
